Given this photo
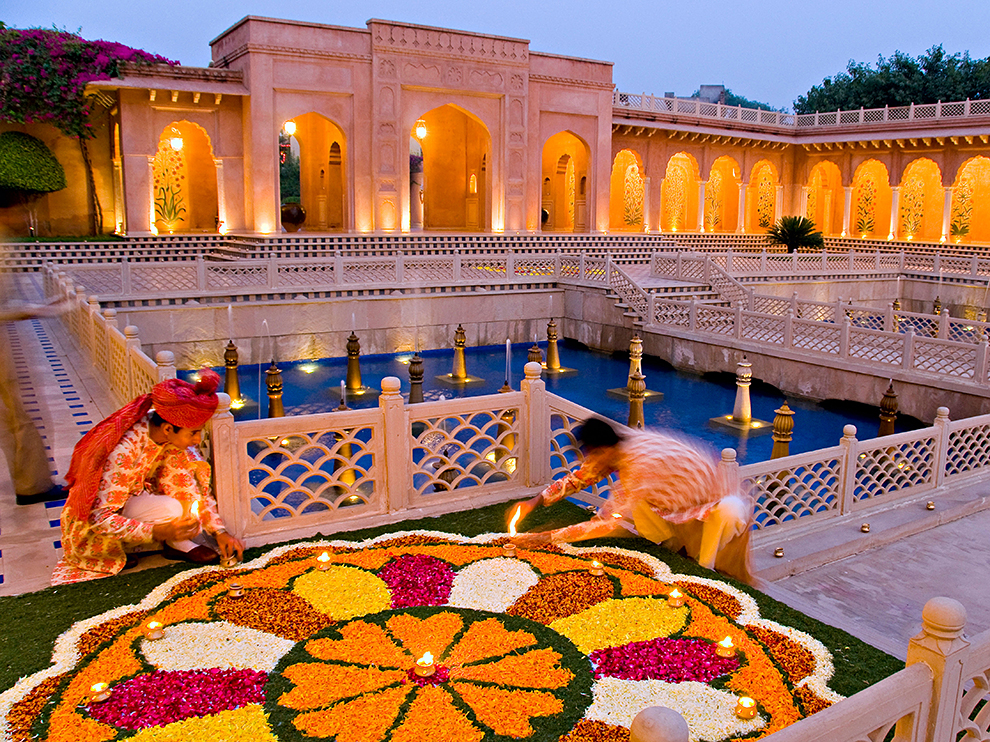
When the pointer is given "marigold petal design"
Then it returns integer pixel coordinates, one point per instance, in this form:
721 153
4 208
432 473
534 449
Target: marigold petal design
560 595
539 668
277 612
484 639
508 712
362 644
617 622
433 634
433 715
246 724
365 719
343 592
319 685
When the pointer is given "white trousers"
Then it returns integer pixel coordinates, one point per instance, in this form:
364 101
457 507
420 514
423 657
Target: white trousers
156 509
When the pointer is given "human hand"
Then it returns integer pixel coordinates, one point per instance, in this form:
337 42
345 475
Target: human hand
230 546
177 529
531 540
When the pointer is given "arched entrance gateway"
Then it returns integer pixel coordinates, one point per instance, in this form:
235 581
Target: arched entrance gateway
627 192
679 195
185 181
312 160
722 196
448 177
563 204
825 198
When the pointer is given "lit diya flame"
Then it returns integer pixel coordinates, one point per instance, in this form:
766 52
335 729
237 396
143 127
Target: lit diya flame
99 691
154 630
745 707
424 665
725 648
675 598
324 560
194 510
597 568
515 519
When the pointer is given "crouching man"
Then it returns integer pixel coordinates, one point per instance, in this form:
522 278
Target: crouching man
138 478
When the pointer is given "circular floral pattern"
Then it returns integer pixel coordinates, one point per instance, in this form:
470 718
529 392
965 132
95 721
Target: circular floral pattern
533 647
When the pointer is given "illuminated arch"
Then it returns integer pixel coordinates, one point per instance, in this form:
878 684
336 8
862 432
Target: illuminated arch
679 195
969 219
825 199
762 197
454 189
920 202
321 147
565 164
870 210
185 181
722 196
627 193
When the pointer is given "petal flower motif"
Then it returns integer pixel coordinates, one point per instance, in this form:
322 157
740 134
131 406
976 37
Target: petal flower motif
492 584
246 724
200 646
343 592
617 622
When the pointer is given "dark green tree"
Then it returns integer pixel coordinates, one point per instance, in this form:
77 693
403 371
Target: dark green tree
795 232
899 81
28 170
44 75
731 99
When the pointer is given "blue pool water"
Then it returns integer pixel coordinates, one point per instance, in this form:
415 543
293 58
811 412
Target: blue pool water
688 403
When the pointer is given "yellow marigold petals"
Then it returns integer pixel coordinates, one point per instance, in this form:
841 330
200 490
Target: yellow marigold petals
617 622
508 712
344 592
246 724
488 638
433 634
365 719
320 685
363 644
433 716
538 668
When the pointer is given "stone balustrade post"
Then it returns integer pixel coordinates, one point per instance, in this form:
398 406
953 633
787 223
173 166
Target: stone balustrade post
92 312
652 309
225 466
941 424
794 304
680 265
888 319
942 646
980 372
738 320
937 263
729 466
789 328
907 355
583 275
510 265
200 273
763 262
272 272
943 324
397 445
728 260
844 337
166 364
338 269
400 268
535 427
693 315
132 344
457 266
126 282
850 460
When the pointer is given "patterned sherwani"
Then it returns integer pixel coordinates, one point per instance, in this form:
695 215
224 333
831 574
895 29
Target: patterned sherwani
96 547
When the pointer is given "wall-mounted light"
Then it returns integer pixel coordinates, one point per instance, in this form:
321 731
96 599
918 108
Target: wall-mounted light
419 129
175 143
289 127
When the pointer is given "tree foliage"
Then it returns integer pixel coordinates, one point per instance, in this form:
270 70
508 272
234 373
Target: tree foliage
731 99
27 165
899 81
794 232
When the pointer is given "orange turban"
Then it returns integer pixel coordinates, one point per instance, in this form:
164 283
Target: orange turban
186 405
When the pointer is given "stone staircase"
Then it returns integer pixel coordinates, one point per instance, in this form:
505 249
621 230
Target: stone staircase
665 288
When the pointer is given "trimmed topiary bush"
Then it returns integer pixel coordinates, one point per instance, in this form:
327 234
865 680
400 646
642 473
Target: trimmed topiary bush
27 165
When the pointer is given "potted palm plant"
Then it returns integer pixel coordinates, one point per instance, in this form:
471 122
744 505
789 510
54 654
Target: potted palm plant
794 232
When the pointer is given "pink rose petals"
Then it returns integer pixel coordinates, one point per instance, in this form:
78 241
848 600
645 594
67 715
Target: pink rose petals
417 579
670 660
441 675
165 696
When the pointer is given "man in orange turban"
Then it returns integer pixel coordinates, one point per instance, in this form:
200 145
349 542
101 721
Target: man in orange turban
138 478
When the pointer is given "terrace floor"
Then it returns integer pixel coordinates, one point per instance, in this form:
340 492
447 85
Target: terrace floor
876 595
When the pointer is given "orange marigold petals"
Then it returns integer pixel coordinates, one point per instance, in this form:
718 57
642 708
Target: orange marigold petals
20 718
308 552
560 595
797 661
362 644
278 612
365 719
488 638
508 712
433 634
538 668
596 731
433 716
413 539
811 701
71 727
633 585
714 597
620 560
92 639
320 685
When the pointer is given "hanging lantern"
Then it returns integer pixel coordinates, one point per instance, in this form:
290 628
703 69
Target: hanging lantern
289 127
419 130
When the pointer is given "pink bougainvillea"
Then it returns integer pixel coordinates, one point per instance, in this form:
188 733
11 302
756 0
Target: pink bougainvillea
670 660
417 579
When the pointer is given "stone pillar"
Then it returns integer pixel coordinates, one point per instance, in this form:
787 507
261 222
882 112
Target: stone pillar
741 218
151 196
166 364
395 440
231 383
846 211
778 203
895 207
119 217
637 390
225 473
273 380
416 379
354 364
553 356
535 355
460 365
701 205
946 215
646 205
888 411
221 198
535 427
804 202
635 356
783 427
742 412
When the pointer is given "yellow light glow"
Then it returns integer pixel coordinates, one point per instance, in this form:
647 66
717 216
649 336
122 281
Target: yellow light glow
426 660
154 625
98 687
284 442
726 642
176 143
745 707
194 510
490 456
419 129
510 465
289 127
238 403
616 515
756 425
515 519
595 564
675 593
223 228
308 368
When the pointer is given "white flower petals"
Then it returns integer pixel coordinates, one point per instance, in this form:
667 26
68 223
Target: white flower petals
492 584
710 713
201 646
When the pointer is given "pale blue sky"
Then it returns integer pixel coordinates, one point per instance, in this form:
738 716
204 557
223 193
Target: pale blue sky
771 51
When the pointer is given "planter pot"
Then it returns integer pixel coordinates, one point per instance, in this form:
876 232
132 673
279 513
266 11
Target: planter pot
293 216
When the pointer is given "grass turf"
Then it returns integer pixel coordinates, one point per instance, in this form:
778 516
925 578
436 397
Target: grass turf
33 621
